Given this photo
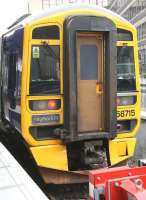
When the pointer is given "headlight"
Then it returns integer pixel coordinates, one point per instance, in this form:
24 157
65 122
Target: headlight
126 100
51 104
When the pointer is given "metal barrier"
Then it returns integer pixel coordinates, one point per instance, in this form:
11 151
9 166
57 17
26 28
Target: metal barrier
122 183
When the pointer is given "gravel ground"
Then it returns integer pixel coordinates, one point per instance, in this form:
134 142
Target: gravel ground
140 151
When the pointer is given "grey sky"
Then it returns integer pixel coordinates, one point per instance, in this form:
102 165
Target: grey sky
10 10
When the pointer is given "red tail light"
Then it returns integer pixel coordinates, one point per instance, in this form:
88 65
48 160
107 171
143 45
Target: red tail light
52 104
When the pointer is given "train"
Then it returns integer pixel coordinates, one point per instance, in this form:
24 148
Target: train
70 89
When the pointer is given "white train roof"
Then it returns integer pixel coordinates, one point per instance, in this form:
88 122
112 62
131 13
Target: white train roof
62 8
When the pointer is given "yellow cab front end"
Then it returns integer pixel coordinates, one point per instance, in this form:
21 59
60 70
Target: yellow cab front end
42 103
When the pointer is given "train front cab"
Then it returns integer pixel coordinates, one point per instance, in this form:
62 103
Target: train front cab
84 87
85 91
80 95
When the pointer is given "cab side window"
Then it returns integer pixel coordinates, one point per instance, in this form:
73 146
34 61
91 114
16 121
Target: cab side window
12 66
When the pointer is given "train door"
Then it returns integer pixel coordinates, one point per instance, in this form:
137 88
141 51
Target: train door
90 84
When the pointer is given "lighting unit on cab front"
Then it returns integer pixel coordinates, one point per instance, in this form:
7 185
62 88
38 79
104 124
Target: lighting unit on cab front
51 104
124 99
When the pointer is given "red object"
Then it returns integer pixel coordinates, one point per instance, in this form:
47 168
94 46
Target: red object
51 104
122 183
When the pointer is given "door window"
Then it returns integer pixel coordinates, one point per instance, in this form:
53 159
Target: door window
88 62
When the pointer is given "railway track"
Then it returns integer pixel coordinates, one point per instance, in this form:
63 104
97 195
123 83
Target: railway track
68 192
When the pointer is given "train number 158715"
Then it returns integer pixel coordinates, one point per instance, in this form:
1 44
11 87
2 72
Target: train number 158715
125 113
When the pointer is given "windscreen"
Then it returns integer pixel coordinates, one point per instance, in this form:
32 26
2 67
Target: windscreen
45 70
125 69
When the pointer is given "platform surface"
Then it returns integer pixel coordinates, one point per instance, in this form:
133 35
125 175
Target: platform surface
15 183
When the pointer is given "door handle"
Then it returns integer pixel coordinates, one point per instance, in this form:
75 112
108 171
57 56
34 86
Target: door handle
99 88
